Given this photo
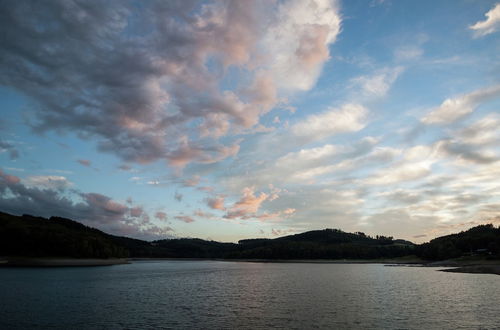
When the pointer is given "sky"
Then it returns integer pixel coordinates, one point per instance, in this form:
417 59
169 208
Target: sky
227 120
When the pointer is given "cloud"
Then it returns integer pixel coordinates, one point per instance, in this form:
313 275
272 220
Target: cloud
45 196
201 214
136 211
299 41
9 148
306 164
192 182
307 159
69 58
48 182
187 152
416 163
125 168
399 222
453 109
105 209
216 203
482 132
84 162
161 216
349 118
247 205
469 152
402 196
401 173
282 232
184 218
205 189
8 179
407 53
476 143
379 83
490 25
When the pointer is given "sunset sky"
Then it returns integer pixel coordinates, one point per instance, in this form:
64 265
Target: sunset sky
235 119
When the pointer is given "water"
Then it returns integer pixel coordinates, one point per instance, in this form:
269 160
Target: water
233 295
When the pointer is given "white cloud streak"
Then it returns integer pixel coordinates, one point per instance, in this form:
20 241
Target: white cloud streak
490 25
453 109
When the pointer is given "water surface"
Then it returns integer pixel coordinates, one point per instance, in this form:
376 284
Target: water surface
212 294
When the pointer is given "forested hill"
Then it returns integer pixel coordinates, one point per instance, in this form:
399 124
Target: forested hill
58 237
39 237
479 240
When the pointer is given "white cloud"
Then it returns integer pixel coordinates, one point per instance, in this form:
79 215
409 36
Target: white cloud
298 42
307 158
47 182
379 83
401 173
489 25
485 131
407 53
415 164
349 118
453 109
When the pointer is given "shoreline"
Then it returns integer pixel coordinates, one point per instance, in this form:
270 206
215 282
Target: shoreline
60 262
475 269
298 261
455 266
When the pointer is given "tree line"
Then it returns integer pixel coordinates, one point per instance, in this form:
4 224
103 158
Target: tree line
58 237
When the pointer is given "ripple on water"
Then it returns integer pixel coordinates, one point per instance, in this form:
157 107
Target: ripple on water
210 294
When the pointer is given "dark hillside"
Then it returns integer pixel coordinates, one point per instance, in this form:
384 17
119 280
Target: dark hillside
39 237
480 240
58 237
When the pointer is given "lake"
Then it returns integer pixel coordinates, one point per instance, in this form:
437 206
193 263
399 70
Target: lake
233 295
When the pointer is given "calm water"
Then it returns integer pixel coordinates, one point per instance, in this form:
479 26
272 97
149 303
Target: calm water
210 294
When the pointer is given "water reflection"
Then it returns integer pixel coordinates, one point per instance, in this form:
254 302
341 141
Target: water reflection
209 294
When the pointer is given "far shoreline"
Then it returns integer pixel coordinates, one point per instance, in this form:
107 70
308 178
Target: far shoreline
298 261
60 262
452 266
475 269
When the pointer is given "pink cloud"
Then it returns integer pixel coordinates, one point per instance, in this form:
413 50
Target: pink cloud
268 216
184 218
192 182
188 152
205 188
202 214
248 204
136 212
105 203
161 216
216 203
141 114
9 179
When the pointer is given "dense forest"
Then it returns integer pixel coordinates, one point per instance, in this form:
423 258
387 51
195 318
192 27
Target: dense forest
58 237
480 240
39 237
